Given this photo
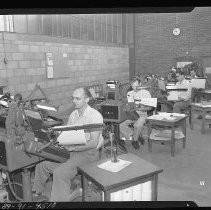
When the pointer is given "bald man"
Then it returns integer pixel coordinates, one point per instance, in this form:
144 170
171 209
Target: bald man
63 173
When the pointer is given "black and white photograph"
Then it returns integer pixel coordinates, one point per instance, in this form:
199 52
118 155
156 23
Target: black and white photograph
105 107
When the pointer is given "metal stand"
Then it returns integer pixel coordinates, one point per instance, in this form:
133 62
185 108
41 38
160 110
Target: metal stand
118 143
26 181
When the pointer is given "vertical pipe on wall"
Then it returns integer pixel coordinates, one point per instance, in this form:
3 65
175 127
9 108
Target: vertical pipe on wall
134 46
106 29
94 27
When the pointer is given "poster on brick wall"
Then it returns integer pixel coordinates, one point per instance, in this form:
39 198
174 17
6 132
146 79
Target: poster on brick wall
57 65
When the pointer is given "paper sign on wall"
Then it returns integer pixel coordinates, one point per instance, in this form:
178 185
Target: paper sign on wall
49 71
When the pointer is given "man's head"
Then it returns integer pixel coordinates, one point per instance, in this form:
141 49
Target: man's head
18 98
135 84
180 75
192 73
80 97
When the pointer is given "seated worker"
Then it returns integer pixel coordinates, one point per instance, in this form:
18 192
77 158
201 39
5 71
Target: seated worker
193 74
184 96
63 173
125 130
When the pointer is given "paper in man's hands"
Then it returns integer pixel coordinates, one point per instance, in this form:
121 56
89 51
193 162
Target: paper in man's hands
72 137
152 102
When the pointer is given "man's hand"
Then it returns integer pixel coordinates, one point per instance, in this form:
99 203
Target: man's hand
70 148
180 99
100 143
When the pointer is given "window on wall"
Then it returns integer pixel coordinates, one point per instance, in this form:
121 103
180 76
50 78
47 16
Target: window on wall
98 29
114 28
33 26
109 29
119 28
20 23
94 27
84 27
76 27
47 25
90 27
103 18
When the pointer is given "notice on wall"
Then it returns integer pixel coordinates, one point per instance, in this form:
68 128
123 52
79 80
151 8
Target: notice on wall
181 64
49 72
57 65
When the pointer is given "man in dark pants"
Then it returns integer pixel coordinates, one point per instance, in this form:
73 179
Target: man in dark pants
63 173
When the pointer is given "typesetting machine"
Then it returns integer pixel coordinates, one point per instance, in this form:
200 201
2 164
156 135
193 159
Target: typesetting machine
27 137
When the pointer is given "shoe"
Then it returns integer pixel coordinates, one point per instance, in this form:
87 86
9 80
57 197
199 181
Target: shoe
141 140
38 197
135 144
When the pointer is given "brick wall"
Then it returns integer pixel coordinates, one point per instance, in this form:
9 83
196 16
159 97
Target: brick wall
89 64
157 47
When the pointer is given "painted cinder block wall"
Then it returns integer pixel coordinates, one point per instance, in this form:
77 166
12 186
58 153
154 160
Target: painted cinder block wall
89 63
157 47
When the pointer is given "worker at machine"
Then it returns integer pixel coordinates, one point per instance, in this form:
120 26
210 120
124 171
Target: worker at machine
184 96
125 129
63 173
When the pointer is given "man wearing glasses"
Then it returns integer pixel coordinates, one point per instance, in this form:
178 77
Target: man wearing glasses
63 173
183 96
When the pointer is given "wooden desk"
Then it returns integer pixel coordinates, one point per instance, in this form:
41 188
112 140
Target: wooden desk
125 185
166 125
203 110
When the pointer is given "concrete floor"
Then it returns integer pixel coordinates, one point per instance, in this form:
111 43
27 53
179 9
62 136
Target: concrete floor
185 177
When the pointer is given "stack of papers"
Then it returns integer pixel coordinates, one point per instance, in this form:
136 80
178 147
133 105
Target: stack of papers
165 134
203 104
114 166
166 116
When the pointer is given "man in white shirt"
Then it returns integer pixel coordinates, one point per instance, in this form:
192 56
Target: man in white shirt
63 173
183 96
125 130
193 74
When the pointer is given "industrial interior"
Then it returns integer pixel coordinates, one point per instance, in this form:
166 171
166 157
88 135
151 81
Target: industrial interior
154 147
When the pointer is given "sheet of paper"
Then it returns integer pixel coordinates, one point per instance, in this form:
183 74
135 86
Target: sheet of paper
130 98
4 103
169 87
147 102
161 84
72 137
181 64
160 117
198 83
114 167
92 91
173 96
46 107
50 72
